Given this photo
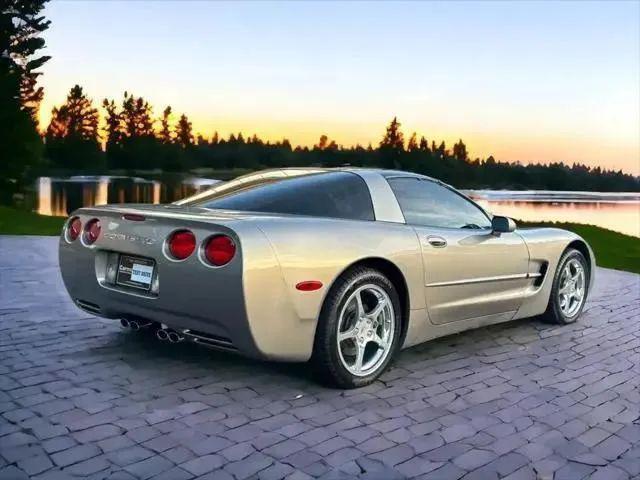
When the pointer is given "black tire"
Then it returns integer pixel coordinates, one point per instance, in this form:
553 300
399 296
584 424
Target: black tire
326 358
554 313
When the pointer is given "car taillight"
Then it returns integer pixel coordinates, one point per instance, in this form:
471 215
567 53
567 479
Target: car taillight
92 231
181 244
219 250
74 227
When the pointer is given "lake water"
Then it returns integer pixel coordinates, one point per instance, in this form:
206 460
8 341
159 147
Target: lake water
61 196
615 211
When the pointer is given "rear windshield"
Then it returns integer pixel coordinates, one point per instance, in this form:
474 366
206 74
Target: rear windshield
331 194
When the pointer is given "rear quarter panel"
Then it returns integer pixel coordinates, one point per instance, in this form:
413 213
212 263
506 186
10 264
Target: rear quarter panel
319 249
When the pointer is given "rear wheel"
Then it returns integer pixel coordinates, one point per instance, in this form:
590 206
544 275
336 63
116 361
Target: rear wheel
358 330
569 290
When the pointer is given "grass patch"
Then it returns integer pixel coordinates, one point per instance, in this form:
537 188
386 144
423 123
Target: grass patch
20 222
612 249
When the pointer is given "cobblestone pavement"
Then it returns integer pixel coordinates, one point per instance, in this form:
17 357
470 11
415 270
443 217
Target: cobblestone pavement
79 397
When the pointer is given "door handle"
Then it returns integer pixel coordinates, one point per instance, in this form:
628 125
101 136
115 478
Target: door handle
436 241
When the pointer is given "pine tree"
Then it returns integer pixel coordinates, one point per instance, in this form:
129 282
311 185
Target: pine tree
77 118
21 25
424 145
136 117
184 133
412 144
392 145
393 138
165 134
72 137
460 151
113 124
322 143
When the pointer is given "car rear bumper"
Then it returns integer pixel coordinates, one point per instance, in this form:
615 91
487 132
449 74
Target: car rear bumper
181 299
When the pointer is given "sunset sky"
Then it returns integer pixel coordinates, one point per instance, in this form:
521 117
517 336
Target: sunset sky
535 81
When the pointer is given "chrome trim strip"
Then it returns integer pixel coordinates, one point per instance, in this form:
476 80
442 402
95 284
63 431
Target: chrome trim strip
466 281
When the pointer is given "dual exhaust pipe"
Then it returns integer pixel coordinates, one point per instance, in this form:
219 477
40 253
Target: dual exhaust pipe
170 335
162 333
134 324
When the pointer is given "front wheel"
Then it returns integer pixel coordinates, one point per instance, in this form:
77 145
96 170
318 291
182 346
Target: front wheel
358 330
569 290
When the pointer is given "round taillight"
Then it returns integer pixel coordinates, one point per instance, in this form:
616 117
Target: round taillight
181 244
74 227
92 231
219 250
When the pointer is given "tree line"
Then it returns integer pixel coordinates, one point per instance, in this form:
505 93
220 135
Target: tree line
126 134
134 139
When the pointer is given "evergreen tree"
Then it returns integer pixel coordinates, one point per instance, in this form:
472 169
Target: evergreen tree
165 135
184 132
393 138
21 25
113 123
130 137
322 143
460 151
113 133
25 41
136 117
412 144
76 118
72 137
392 145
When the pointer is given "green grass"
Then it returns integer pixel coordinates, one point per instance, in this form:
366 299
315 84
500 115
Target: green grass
612 249
20 222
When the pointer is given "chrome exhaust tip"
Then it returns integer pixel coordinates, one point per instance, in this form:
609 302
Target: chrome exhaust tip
175 337
124 323
162 334
135 326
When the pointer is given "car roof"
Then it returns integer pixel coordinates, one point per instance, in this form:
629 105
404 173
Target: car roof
387 173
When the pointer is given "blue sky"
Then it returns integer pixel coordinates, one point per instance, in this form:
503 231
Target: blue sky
528 81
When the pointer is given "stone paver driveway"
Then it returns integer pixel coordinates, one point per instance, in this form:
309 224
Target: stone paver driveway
79 397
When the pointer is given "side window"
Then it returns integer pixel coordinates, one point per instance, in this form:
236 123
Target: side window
427 203
333 194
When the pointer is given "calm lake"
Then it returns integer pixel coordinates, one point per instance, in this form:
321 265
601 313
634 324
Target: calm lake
615 211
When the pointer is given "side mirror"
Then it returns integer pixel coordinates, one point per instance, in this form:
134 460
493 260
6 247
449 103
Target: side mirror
502 224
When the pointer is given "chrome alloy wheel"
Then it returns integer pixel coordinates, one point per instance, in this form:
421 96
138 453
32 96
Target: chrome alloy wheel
366 329
571 293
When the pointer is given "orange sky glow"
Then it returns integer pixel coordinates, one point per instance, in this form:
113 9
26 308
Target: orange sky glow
513 80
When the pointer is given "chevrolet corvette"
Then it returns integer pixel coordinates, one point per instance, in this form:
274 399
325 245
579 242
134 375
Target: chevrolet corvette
339 267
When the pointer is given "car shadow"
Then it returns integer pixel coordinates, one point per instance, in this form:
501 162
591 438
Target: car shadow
145 352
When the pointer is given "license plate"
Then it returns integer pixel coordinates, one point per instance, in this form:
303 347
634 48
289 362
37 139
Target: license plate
135 272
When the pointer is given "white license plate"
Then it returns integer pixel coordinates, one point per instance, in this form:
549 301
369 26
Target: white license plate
135 272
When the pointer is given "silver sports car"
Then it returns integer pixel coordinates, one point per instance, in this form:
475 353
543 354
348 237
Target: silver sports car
342 267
